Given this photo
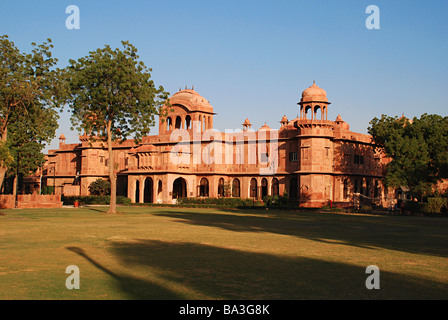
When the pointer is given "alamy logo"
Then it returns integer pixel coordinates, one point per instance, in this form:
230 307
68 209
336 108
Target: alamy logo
72 281
73 20
373 21
373 281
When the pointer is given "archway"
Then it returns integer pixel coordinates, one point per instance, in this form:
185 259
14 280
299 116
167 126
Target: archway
203 187
179 188
137 191
264 187
221 187
275 187
253 188
148 192
178 124
293 188
236 188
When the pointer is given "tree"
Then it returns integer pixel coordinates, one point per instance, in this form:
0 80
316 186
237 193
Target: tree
27 81
418 150
100 187
112 97
26 138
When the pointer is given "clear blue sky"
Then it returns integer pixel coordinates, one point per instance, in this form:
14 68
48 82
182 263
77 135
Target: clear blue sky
252 59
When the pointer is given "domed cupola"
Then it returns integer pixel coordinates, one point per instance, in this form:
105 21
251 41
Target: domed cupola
314 93
314 104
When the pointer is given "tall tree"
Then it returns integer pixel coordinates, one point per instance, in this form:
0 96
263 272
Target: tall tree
26 139
113 97
26 81
418 150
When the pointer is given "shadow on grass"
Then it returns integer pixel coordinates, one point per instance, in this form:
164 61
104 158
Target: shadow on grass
408 234
135 288
222 273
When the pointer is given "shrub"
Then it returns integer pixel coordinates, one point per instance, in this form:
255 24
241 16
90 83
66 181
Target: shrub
47 190
435 205
226 202
277 201
99 187
69 200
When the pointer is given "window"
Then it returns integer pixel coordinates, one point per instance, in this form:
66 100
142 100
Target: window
236 188
293 156
359 159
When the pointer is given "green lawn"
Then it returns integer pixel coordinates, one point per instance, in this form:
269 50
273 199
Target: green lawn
171 253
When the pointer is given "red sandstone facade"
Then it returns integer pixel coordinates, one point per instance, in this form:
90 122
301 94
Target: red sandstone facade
313 159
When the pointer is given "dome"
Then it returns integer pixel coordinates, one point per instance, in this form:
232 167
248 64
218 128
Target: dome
314 93
247 122
192 100
265 127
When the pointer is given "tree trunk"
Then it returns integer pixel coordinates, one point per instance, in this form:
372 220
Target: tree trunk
14 190
112 177
3 168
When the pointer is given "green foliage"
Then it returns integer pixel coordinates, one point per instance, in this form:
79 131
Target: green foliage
276 201
418 149
112 88
100 200
30 90
225 202
435 204
47 190
99 187
111 96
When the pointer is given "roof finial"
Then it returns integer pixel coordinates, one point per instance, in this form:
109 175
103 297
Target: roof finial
192 88
314 81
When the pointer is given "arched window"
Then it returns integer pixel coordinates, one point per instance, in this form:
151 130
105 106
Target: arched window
169 124
178 122
203 187
188 122
305 115
236 188
221 188
275 187
253 188
317 113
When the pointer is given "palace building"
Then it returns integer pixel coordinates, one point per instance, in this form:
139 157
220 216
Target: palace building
311 158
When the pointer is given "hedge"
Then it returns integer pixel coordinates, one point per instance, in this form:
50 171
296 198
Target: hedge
69 200
225 202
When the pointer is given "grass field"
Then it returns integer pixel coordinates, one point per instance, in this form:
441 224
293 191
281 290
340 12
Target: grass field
171 253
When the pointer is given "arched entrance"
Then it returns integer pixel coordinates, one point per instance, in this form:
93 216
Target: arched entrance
148 193
203 187
137 191
159 191
179 188
264 187
275 187
253 188
293 188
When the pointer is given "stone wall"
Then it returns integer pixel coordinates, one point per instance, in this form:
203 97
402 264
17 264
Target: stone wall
30 201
